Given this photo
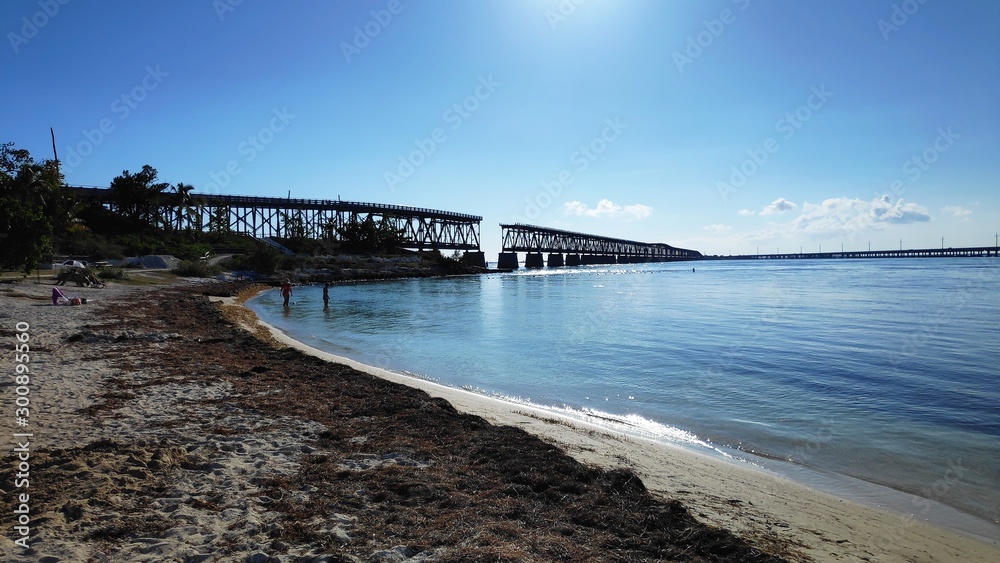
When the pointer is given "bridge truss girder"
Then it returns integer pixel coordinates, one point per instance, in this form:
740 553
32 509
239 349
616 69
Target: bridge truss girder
530 238
264 217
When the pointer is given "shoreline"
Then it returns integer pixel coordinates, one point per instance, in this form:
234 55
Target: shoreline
166 432
644 454
871 494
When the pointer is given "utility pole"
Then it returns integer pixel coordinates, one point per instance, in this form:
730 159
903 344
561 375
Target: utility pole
55 155
901 244
942 243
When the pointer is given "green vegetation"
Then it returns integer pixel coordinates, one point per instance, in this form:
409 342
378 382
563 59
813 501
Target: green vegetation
119 274
33 208
262 259
196 269
39 217
368 236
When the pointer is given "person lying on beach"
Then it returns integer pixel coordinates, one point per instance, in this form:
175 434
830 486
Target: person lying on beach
58 295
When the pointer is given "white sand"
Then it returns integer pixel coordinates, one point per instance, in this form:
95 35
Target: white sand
217 504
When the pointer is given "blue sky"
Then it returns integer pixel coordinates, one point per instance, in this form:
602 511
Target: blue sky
723 126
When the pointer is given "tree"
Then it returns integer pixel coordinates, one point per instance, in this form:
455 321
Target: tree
186 209
33 206
219 221
369 236
295 227
138 198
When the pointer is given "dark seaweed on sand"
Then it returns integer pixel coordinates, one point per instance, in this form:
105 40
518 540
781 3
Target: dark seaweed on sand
408 469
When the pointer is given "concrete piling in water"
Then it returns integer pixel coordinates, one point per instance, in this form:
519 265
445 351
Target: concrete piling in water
507 260
534 260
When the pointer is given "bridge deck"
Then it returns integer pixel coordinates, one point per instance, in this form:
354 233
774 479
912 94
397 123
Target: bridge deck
534 239
910 253
263 217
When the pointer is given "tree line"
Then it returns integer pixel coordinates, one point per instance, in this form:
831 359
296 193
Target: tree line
39 216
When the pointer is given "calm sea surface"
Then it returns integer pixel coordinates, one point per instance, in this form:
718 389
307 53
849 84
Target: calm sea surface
840 373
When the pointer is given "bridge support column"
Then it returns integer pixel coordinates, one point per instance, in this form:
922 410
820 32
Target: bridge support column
555 260
573 260
474 259
507 260
533 260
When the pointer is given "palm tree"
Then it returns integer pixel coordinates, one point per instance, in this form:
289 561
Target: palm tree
185 206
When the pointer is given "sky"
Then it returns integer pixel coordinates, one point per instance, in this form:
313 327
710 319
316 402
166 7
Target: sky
724 126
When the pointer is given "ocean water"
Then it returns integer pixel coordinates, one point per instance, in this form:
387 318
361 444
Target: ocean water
865 378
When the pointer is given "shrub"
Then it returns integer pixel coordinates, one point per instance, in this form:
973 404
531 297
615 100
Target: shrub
192 251
85 243
262 259
196 269
113 274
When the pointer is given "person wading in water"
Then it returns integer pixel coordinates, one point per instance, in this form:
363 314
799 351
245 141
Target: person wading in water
286 291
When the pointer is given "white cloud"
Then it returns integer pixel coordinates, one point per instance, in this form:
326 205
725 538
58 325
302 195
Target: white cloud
607 208
899 212
717 228
844 216
778 206
958 211
746 212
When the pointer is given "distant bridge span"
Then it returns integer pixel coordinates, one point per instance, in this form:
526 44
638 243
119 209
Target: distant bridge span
265 217
580 248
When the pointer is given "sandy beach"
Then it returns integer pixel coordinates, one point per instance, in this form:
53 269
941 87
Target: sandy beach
162 432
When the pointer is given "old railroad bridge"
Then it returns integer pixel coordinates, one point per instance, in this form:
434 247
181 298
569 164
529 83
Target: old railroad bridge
580 248
430 229
269 217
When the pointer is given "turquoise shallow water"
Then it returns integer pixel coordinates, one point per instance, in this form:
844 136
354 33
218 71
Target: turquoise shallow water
836 372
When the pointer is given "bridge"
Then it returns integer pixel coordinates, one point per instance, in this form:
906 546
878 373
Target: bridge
976 251
579 248
266 217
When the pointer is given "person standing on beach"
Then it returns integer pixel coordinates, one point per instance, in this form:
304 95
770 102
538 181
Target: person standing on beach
286 291
326 296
